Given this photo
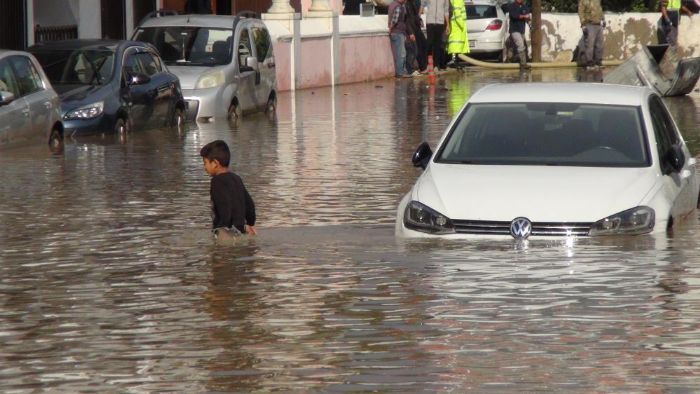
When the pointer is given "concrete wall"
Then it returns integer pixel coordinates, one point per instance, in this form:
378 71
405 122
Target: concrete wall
625 34
55 12
349 49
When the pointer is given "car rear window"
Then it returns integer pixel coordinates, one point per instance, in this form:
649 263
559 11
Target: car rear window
558 134
477 11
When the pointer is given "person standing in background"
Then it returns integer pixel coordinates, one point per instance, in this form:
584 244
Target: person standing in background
519 15
671 18
437 21
415 49
398 32
458 40
590 14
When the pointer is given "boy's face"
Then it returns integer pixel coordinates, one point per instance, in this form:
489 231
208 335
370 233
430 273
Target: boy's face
211 166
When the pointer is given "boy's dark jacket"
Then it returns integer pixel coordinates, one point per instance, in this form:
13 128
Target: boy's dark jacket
232 206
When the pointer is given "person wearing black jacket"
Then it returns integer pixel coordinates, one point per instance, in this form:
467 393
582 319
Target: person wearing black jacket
233 210
416 50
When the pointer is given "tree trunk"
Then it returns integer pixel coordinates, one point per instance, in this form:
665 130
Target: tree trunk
536 31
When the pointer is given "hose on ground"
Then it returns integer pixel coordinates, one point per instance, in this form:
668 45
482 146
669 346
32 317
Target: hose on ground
513 66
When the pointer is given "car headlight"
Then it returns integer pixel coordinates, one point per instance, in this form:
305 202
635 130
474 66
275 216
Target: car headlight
211 80
90 111
639 220
422 218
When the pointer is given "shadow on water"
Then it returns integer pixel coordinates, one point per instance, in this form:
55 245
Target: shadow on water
110 280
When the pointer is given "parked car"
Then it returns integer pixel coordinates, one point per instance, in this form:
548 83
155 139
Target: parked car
225 63
553 159
108 85
487 27
29 107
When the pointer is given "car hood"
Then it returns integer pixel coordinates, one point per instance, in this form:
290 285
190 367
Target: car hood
75 96
189 75
540 193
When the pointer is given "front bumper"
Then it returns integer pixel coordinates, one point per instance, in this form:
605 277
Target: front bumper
206 103
98 125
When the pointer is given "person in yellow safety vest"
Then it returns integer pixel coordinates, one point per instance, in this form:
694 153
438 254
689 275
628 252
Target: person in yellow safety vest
457 41
671 18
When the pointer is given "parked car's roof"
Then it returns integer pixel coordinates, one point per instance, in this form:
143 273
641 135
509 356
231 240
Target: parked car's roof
591 93
8 52
83 44
215 21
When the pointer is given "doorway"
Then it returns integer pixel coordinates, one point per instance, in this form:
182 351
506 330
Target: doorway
113 26
13 24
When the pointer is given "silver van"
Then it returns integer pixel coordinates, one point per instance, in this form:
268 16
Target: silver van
225 63
29 107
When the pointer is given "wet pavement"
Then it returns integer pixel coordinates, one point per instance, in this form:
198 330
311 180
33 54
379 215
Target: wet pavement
109 280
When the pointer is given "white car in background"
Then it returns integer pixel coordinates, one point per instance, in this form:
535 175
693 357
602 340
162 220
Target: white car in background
487 28
553 160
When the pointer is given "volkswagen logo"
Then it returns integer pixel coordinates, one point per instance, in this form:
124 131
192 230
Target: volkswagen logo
520 228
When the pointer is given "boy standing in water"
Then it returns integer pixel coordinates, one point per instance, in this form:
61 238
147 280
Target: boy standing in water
233 210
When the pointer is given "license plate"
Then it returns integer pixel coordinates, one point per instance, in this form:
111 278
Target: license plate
472 43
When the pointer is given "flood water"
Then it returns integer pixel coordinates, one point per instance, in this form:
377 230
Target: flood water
110 281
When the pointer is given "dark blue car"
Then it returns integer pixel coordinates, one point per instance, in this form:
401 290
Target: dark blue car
111 86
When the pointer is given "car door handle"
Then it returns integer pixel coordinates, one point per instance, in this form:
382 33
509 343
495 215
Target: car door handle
25 112
48 105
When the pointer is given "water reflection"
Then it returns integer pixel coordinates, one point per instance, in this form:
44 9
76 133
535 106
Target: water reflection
109 279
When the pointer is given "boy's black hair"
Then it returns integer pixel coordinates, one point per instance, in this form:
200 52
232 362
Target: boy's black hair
216 150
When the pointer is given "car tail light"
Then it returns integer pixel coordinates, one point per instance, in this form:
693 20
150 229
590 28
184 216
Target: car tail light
495 24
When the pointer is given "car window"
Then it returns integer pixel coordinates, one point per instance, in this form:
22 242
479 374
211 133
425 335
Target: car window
28 79
149 64
664 131
475 11
560 134
244 50
7 78
187 45
82 67
132 65
261 38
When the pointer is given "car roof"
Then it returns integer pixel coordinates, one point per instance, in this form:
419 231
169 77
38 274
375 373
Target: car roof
84 44
9 52
563 92
215 21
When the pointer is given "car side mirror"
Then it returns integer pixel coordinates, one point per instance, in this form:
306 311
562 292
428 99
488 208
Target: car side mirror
6 97
422 155
674 159
252 62
139 79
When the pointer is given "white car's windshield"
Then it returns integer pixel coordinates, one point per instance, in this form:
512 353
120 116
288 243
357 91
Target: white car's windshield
190 46
560 134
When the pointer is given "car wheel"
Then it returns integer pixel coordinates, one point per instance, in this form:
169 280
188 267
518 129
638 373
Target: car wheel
56 141
234 112
178 121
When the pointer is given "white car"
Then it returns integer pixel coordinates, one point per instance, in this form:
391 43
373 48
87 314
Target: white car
487 28
550 160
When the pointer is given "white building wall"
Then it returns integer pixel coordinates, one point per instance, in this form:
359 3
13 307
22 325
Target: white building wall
89 19
55 12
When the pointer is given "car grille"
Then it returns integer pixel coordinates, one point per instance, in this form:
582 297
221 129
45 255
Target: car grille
192 109
503 228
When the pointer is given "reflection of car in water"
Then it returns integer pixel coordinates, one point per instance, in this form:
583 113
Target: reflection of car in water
29 107
225 63
548 160
109 85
